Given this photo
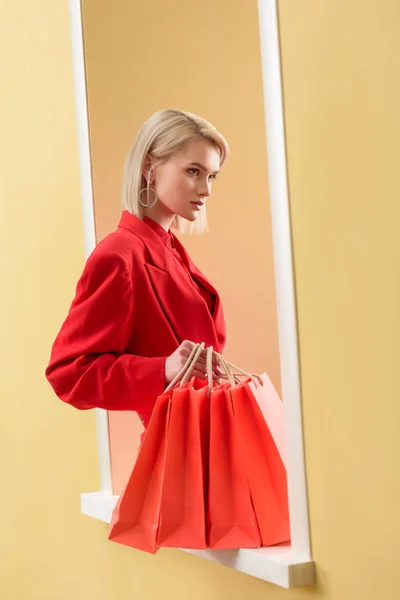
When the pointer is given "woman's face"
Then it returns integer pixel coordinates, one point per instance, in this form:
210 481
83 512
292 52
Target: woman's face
183 183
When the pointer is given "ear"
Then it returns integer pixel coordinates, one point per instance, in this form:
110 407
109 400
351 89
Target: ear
146 166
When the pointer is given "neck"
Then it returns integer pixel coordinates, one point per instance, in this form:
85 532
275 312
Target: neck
160 215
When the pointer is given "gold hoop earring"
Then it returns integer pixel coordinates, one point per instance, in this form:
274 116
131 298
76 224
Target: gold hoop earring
148 205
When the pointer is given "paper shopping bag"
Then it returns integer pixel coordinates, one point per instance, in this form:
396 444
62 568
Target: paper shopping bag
135 519
271 407
264 467
184 491
232 521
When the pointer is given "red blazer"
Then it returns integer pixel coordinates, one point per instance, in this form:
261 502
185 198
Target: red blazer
132 308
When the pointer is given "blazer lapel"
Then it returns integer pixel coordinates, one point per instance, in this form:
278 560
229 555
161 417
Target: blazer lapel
187 312
152 241
195 272
218 314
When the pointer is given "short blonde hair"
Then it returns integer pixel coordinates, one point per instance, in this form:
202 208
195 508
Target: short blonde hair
164 134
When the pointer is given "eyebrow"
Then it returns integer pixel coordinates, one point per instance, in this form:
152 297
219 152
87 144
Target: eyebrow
202 167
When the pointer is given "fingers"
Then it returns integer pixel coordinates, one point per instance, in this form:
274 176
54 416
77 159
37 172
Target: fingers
203 359
187 346
202 369
201 363
203 375
186 349
174 364
203 356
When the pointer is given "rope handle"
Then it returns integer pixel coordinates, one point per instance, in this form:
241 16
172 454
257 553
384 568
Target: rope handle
234 378
209 369
228 366
187 369
195 353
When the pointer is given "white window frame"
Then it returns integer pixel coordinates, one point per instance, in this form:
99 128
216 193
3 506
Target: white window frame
288 565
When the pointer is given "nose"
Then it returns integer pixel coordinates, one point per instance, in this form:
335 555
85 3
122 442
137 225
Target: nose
205 189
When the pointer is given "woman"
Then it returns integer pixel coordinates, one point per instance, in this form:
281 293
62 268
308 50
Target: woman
141 304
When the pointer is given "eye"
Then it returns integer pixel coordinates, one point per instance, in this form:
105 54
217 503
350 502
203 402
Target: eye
193 171
213 177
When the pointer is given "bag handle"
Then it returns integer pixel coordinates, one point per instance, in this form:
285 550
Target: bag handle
209 366
187 369
228 366
195 353
185 373
228 373
192 364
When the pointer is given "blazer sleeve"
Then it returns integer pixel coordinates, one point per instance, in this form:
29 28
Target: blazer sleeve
89 365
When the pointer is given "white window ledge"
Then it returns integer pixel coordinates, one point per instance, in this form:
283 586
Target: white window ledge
276 564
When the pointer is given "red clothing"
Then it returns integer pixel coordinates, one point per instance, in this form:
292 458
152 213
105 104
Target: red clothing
168 239
132 308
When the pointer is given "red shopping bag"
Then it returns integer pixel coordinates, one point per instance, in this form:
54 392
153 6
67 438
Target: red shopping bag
183 498
271 407
232 521
163 502
264 467
135 519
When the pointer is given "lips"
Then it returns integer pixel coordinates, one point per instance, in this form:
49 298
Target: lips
199 204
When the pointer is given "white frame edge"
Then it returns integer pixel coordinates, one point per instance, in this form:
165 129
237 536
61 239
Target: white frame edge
89 230
286 566
284 276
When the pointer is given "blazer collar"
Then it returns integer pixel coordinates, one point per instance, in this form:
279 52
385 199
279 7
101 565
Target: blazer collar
161 257
156 246
137 226
152 241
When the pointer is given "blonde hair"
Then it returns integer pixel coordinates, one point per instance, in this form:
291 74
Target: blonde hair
163 135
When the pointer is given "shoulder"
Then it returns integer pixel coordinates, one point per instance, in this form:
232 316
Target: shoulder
113 262
119 246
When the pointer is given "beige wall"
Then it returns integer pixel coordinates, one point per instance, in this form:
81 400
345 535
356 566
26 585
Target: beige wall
129 79
340 65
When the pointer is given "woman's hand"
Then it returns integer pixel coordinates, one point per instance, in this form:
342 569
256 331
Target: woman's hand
176 361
